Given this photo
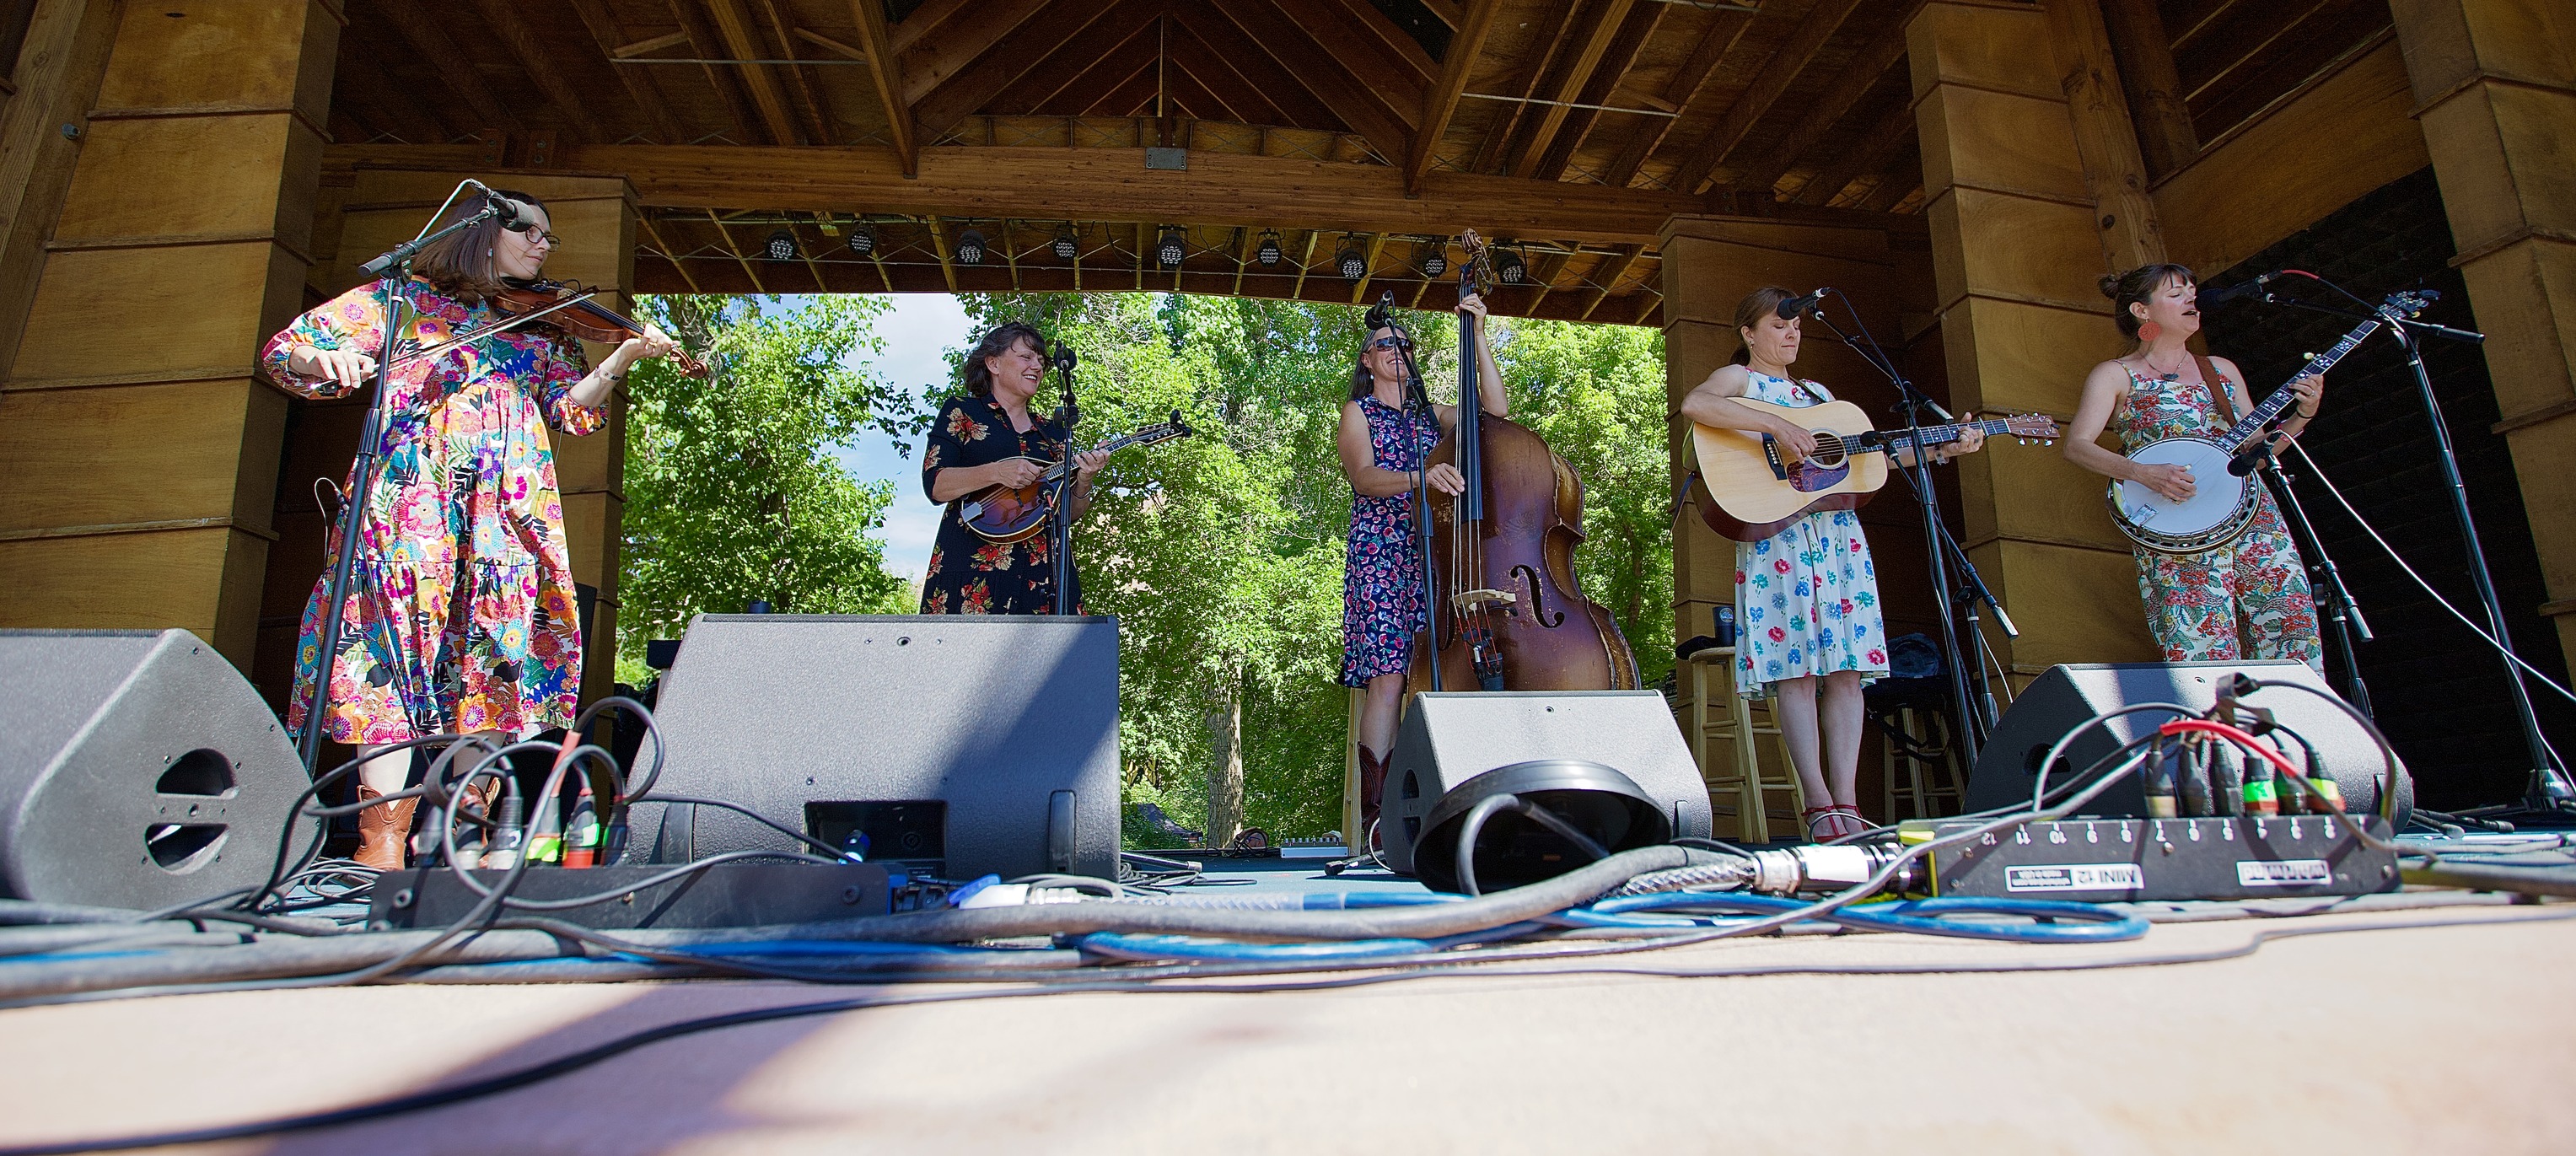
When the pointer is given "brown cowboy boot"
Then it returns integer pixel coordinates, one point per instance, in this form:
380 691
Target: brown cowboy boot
1372 791
383 829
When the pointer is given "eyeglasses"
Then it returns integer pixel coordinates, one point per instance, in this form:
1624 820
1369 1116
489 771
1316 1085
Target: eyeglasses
1387 342
525 227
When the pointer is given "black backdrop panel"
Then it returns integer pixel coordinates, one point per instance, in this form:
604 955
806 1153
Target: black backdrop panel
998 735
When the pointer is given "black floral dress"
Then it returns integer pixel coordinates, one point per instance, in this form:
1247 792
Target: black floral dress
968 575
1382 565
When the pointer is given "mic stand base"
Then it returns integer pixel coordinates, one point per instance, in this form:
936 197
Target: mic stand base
2335 605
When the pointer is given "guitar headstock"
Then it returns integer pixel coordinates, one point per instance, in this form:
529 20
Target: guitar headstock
2032 428
2410 302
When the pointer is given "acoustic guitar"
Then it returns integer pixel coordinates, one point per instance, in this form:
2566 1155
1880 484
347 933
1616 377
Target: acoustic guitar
1755 492
999 513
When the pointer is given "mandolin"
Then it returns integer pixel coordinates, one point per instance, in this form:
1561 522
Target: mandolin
1755 492
1003 514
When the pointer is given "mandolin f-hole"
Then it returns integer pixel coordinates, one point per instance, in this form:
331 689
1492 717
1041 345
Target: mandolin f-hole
1539 612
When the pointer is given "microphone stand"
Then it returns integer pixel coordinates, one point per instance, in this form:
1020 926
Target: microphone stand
1977 718
1068 595
1417 403
2546 792
392 271
2336 605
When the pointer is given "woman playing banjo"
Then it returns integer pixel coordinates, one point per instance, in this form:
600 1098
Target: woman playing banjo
2161 390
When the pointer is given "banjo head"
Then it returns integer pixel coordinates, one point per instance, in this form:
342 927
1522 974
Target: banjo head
2217 499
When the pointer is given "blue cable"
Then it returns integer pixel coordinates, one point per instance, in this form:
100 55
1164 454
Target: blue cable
2089 923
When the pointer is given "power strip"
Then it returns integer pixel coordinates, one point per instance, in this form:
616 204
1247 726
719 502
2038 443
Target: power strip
2115 860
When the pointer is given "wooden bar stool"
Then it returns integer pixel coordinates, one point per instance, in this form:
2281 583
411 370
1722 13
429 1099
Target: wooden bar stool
1724 732
1918 745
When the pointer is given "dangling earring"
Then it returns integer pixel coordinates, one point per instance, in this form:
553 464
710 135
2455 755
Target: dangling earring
492 252
2148 332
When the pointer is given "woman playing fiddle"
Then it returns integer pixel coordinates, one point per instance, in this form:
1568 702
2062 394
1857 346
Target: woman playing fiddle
984 439
1807 597
460 616
1383 441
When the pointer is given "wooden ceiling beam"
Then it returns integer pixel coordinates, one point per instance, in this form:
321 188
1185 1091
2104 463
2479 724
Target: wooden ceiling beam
742 40
1440 101
1236 52
918 26
1091 184
1113 85
540 66
1606 276
1082 62
1368 266
706 43
1203 100
1768 86
1189 54
939 249
809 96
1318 70
878 45
421 28
638 82
1893 130
1016 53
403 114
1605 19
970 43
1634 33
1724 29
1393 81
1524 84
2165 131
1364 17
736 250
1855 81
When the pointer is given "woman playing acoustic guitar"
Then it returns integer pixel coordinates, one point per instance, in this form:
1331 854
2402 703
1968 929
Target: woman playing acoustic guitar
1807 597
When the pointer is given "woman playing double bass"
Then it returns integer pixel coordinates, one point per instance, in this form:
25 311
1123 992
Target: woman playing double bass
1384 440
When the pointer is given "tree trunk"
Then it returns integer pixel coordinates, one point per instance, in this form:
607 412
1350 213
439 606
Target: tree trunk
1225 774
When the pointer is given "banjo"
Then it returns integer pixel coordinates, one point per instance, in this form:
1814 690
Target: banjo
2222 503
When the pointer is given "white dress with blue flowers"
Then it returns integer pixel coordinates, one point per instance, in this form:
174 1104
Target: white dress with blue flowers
1806 599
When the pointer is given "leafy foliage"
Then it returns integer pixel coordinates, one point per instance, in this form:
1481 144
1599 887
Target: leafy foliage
732 493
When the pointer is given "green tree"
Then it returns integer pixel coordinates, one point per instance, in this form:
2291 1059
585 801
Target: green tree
732 492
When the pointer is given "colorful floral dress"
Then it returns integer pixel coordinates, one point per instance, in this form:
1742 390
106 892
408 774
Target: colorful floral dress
966 574
1806 598
460 614
1382 565
2194 600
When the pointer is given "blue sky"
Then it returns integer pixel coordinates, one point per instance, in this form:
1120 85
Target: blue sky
918 332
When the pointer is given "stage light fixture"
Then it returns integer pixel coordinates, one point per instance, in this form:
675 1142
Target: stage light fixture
1268 254
1352 265
1435 259
1509 268
782 246
863 239
970 247
1172 248
1067 246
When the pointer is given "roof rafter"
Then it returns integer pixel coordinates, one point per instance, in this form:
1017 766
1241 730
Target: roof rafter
1236 52
1768 86
1015 53
1724 29
1316 69
638 81
930 64
708 44
502 17
1440 101
733 24
1634 33
878 45
1857 79
1895 128
809 97
1607 18
430 40
1066 66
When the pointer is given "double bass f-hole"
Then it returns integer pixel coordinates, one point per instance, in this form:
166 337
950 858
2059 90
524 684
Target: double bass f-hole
1539 613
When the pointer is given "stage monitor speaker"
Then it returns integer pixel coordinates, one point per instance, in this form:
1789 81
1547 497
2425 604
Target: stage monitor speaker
957 744
1447 739
137 769
2064 697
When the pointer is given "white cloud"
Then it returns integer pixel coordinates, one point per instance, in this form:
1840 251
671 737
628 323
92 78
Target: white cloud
917 332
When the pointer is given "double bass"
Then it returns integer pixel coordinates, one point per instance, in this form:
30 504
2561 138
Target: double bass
1507 613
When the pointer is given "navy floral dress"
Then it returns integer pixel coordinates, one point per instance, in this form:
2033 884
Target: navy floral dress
966 574
1382 574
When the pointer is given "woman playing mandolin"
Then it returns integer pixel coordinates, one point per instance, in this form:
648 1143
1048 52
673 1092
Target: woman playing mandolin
2160 390
986 438
1807 597
1383 442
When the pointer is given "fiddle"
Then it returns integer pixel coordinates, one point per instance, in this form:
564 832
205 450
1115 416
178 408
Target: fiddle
574 308
569 307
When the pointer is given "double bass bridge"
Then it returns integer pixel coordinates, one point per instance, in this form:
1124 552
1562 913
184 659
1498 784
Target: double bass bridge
1472 600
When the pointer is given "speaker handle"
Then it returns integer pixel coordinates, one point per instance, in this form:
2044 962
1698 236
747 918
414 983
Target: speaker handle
1061 837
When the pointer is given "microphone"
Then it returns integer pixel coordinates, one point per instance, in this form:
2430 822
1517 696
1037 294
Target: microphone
1797 307
1065 358
2232 292
2250 458
1380 314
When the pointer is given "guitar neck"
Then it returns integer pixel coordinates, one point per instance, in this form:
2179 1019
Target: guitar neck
1890 441
2281 400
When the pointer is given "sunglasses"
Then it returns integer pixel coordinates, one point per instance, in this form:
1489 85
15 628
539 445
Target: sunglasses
1388 342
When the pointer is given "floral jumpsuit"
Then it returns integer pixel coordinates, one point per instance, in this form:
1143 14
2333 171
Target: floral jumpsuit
2194 600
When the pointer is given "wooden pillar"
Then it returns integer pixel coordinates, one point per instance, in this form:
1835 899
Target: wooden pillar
369 211
2016 249
138 453
2495 90
2105 140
